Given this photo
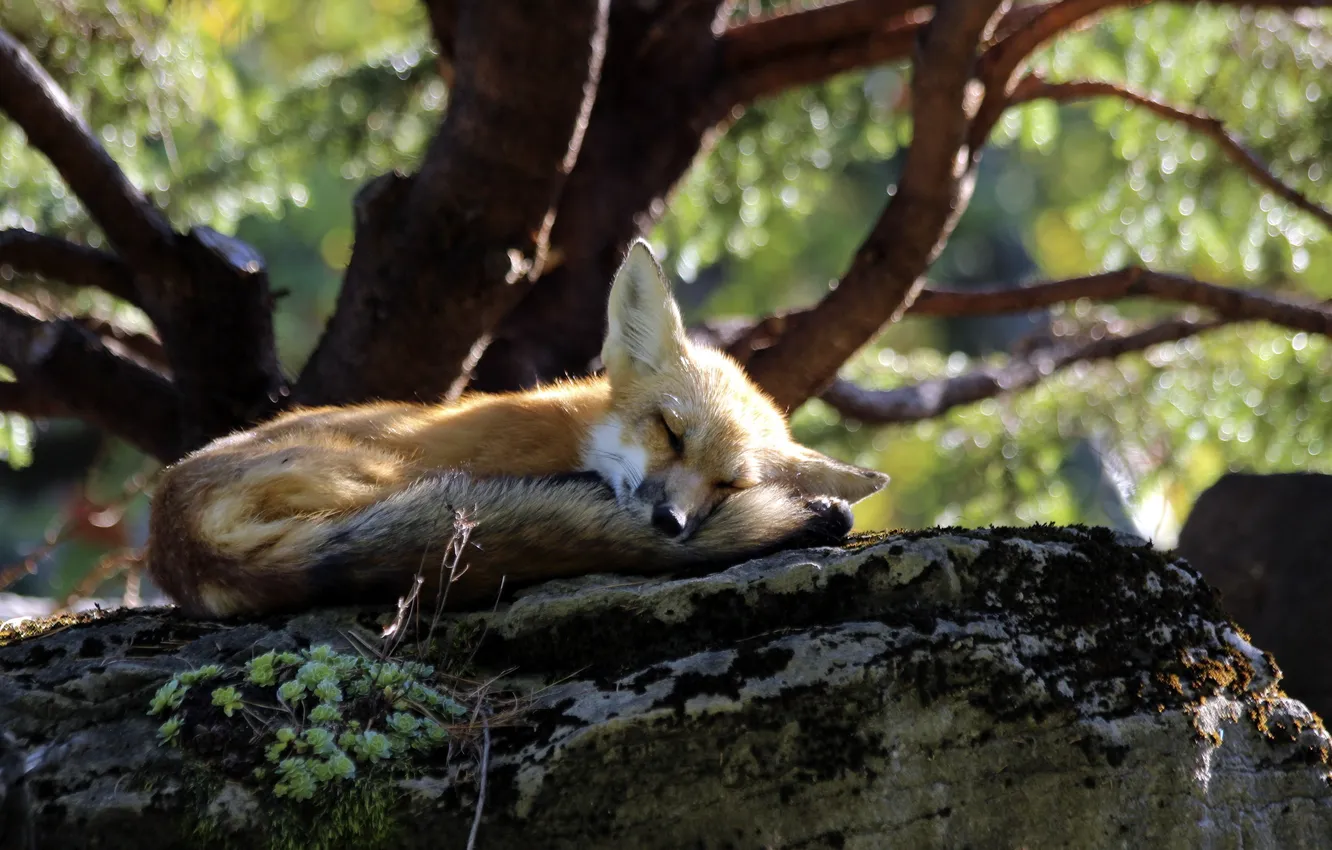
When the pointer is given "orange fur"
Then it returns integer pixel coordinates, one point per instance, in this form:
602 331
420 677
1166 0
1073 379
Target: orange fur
688 464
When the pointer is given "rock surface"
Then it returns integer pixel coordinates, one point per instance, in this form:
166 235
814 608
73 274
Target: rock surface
1001 688
1260 540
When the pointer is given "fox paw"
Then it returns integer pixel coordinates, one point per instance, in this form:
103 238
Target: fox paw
829 522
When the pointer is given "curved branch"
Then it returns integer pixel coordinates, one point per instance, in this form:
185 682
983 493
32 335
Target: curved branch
1034 88
1131 282
207 294
63 366
1038 24
700 79
769 55
35 102
937 178
743 339
930 399
1041 24
23 398
144 346
77 265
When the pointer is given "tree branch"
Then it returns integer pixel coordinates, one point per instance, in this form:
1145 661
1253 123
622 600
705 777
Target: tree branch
437 255
742 338
804 350
772 54
33 100
63 366
1038 23
1033 88
444 23
635 149
930 399
1133 282
27 400
697 81
1043 22
936 183
144 346
207 294
77 265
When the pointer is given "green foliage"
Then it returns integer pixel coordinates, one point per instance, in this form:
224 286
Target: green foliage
333 711
752 201
15 440
262 118
1172 199
1141 435
1083 187
217 109
15 433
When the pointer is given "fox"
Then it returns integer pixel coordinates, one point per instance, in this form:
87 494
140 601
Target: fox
669 459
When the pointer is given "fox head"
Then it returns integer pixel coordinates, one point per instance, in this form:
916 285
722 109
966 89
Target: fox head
686 426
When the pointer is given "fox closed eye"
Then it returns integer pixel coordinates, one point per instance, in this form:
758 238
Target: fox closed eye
676 441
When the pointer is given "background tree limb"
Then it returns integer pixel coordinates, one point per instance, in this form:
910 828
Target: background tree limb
77 265
206 293
1043 22
135 227
937 178
770 55
636 148
61 365
930 399
1132 282
27 400
743 338
1033 88
443 23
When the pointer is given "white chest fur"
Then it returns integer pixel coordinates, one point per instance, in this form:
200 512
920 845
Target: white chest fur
607 453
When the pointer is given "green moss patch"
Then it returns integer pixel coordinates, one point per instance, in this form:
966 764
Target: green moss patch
311 740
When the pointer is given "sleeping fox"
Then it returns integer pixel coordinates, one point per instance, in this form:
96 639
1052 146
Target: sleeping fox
671 459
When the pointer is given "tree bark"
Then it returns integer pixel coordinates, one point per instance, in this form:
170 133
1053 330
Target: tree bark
206 293
938 176
438 255
489 267
649 122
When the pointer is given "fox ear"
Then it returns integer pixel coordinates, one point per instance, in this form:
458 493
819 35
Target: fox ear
644 333
811 473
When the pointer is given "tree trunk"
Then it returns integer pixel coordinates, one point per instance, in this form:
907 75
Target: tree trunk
1032 687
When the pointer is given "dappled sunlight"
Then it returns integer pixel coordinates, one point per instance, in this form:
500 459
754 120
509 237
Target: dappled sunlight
263 119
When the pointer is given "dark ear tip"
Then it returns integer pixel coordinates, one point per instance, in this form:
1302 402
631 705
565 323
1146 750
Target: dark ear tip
832 520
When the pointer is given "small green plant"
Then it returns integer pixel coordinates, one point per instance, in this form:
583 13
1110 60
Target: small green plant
228 699
320 713
169 730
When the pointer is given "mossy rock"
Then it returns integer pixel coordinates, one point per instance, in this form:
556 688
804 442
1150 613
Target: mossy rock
1001 687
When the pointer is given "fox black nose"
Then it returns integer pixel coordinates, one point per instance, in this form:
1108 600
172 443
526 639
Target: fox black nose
668 519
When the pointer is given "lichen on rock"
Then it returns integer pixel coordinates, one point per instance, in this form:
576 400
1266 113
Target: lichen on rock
1039 686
